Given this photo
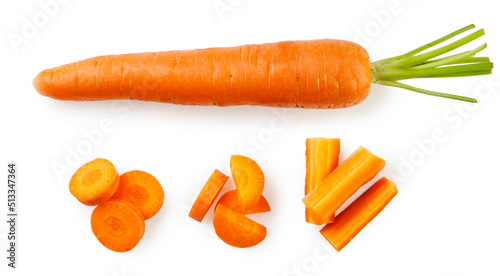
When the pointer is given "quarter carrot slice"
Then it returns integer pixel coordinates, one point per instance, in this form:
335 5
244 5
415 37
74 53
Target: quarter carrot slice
94 182
237 230
231 201
322 157
355 217
249 180
208 194
357 170
118 225
142 190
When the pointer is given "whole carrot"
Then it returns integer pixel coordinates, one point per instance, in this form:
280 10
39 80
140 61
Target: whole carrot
305 74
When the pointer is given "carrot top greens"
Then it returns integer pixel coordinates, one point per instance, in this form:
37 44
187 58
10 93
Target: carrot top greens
412 65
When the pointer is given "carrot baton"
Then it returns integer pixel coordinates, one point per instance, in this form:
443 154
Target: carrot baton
354 172
322 157
305 74
355 217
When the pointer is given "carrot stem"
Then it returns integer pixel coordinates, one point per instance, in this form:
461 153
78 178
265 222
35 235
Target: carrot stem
430 65
428 92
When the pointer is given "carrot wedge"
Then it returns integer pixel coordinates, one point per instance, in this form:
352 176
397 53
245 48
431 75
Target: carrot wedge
231 201
237 230
207 195
354 172
322 157
249 180
355 217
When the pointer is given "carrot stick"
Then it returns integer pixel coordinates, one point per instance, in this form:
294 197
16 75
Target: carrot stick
249 180
357 170
207 195
94 182
324 73
117 225
141 190
237 230
355 217
322 157
231 201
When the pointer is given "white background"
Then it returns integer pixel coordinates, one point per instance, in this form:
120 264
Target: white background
444 221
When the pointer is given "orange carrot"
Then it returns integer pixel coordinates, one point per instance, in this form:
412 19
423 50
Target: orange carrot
94 182
322 157
231 201
355 217
208 194
117 225
237 230
249 180
141 190
324 73
357 170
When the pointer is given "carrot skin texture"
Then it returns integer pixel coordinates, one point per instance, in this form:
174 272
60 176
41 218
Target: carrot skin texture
324 73
357 215
236 229
231 201
207 195
354 172
322 157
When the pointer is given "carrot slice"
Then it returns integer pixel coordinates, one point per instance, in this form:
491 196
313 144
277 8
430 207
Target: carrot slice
249 180
208 194
322 157
355 217
231 201
118 225
94 182
142 190
357 170
237 230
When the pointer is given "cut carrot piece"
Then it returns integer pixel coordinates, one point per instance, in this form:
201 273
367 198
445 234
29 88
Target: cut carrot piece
249 180
94 182
355 217
208 194
142 190
231 201
237 230
117 225
322 157
357 170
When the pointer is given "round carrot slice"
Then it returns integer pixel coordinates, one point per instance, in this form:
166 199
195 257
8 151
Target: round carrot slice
118 225
207 195
237 230
230 200
94 182
142 190
249 180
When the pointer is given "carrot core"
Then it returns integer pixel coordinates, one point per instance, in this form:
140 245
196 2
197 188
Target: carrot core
115 227
91 178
